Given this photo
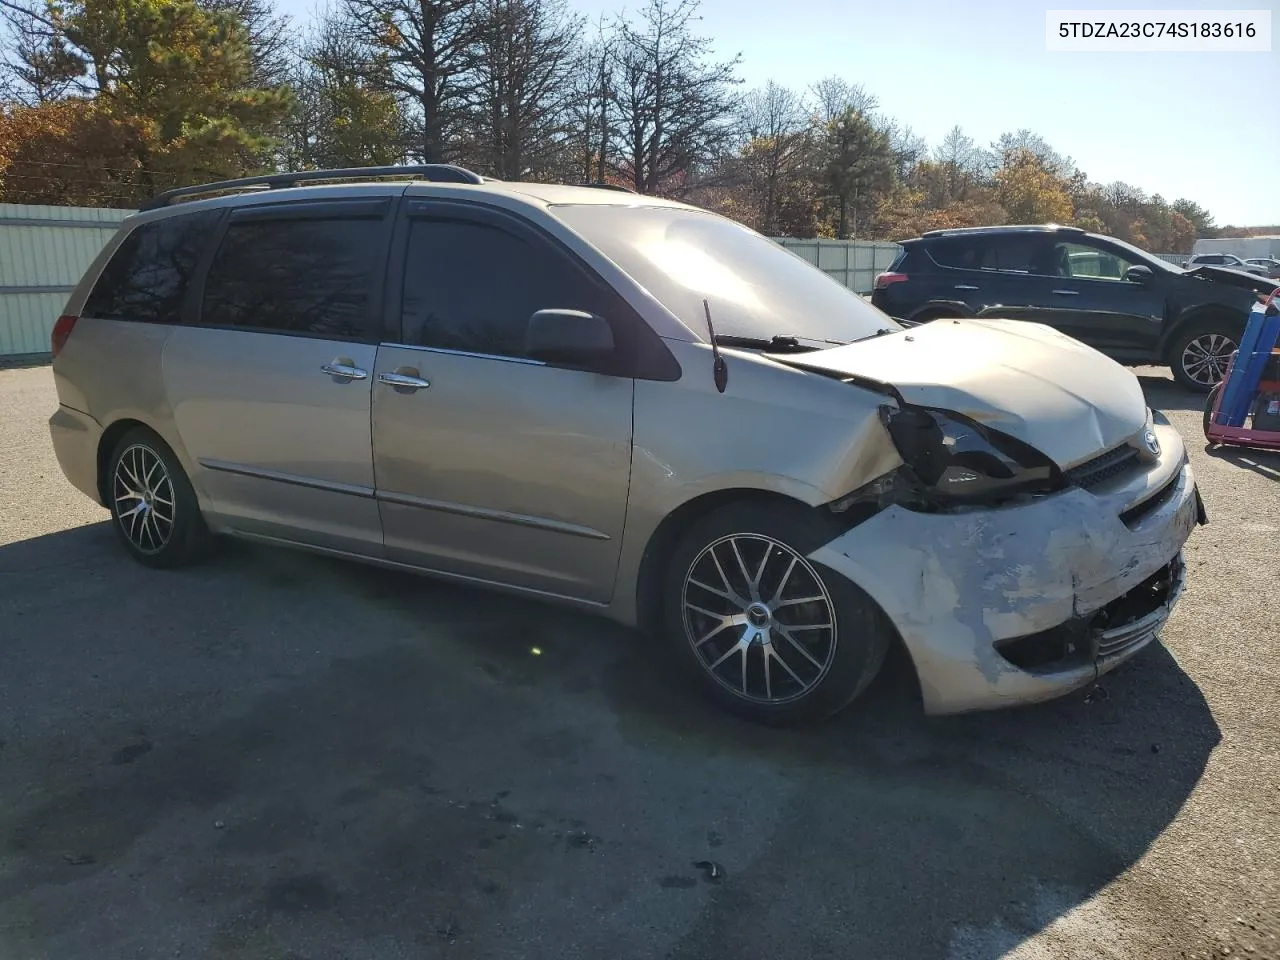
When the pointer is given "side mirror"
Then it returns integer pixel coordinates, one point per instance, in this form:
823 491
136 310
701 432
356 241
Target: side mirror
1139 274
570 337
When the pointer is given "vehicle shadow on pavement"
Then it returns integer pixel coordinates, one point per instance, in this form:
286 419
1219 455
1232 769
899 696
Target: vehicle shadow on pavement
1164 393
1264 462
277 755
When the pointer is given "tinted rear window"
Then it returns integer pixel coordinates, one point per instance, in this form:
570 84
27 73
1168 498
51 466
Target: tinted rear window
146 279
1013 253
307 276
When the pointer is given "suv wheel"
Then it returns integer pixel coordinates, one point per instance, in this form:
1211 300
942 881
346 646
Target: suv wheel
773 636
1200 354
153 506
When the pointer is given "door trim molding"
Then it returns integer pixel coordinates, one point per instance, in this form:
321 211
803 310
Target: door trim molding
260 473
487 513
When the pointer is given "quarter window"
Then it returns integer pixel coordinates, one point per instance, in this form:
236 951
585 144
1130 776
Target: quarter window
300 276
472 286
147 277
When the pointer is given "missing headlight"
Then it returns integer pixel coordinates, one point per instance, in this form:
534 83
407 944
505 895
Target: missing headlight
954 459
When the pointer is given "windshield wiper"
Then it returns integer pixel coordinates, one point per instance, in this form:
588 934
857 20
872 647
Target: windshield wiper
775 344
871 336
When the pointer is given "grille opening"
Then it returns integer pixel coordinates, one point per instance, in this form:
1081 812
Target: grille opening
1134 515
1146 598
1060 647
1103 467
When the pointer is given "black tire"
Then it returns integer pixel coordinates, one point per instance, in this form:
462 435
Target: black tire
1218 337
840 662
158 530
1209 401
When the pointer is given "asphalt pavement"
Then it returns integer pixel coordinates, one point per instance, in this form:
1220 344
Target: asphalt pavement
281 757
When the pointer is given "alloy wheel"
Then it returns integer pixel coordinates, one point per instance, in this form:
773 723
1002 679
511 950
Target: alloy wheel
144 500
759 618
1205 359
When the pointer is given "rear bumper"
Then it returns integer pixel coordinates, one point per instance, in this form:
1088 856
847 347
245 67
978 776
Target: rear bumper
971 593
75 438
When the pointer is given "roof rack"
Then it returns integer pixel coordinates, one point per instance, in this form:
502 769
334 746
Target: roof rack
999 228
436 172
601 185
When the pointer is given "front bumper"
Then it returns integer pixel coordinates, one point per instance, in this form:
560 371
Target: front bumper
1097 571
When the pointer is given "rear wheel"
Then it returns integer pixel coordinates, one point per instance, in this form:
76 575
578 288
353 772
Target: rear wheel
772 635
153 506
1200 354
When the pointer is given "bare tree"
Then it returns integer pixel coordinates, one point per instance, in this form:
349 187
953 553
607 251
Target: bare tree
525 51
674 102
774 122
430 47
38 66
590 114
834 96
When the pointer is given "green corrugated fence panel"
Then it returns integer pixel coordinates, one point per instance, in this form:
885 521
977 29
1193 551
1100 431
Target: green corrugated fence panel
43 253
27 321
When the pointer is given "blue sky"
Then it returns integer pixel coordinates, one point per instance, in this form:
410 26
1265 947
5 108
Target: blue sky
1205 126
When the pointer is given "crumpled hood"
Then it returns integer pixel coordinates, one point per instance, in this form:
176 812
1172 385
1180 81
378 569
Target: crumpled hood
1235 278
1024 379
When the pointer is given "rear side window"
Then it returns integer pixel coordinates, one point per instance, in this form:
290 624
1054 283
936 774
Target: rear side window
472 286
146 279
1015 253
302 276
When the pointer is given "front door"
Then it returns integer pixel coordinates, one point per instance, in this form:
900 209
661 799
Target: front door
491 465
1096 304
269 380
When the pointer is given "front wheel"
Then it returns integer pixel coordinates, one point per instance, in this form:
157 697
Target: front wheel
773 636
1200 355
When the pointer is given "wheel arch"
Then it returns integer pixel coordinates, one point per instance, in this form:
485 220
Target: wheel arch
1207 313
933 309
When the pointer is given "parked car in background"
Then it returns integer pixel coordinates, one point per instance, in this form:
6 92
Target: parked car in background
1126 303
517 385
1228 261
1269 264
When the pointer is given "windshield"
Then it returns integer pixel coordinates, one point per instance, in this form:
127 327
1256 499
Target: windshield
754 287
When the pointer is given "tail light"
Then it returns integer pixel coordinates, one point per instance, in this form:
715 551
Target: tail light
61 330
888 279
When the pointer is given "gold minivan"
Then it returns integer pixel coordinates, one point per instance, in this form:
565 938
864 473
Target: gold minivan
630 405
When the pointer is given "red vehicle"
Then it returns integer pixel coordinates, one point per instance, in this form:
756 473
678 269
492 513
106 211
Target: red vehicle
1244 409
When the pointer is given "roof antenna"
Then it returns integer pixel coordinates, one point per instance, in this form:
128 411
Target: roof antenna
719 370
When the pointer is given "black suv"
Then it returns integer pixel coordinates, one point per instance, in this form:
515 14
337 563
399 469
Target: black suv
1135 308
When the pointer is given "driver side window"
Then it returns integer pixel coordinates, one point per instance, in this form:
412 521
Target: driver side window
472 286
1082 262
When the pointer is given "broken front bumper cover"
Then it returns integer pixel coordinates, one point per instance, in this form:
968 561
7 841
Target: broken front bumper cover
1089 575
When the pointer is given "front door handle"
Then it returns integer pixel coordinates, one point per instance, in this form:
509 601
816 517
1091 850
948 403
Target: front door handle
1067 293
344 369
965 286
404 381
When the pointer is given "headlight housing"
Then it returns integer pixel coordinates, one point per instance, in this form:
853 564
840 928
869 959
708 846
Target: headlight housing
956 460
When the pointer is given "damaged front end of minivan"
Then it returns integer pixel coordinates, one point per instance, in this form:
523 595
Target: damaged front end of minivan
1009 579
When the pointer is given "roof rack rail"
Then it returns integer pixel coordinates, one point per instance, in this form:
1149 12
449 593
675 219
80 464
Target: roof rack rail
436 172
601 185
1004 228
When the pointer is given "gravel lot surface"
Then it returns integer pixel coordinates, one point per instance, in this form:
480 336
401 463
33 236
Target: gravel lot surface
278 756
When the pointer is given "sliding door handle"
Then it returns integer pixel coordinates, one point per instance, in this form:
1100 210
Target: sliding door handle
403 381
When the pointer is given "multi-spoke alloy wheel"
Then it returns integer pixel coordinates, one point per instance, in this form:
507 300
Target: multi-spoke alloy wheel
144 500
759 618
155 509
1204 358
